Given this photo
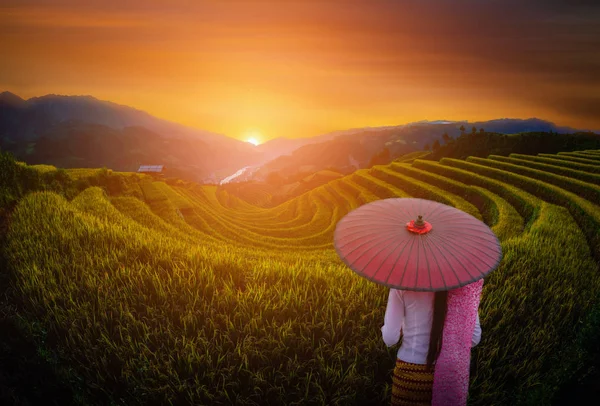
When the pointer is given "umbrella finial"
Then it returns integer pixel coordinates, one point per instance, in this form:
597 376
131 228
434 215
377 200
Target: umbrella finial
419 226
419 222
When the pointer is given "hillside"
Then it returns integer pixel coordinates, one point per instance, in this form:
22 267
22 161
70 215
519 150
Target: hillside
27 126
137 291
353 149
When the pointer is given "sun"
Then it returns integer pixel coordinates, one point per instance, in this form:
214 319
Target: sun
253 137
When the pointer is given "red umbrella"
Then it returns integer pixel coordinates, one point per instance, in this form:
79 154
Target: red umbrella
388 242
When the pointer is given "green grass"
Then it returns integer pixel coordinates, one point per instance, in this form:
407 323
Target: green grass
383 190
572 173
141 292
178 200
151 192
584 212
257 194
559 162
360 193
547 282
179 300
572 159
44 168
584 189
581 155
410 157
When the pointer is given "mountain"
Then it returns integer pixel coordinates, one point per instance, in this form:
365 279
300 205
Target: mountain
284 146
24 122
338 149
75 144
9 99
84 131
423 132
513 125
60 108
344 153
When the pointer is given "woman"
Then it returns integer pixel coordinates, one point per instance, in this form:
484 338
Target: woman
438 330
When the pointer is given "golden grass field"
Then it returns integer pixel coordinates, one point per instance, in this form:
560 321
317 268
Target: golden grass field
143 292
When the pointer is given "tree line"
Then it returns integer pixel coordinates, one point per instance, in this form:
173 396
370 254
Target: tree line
481 143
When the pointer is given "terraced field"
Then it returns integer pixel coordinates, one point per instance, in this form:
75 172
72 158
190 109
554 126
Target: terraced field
179 294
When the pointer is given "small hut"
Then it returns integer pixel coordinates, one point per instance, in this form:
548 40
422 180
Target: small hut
154 170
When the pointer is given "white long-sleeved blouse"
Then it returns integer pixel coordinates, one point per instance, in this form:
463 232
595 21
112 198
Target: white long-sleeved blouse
412 314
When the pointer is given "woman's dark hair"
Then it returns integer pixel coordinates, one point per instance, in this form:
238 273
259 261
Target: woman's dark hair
440 307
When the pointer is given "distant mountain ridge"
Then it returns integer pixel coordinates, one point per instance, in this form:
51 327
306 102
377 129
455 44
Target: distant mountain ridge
360 145
23 123
503 125
87 108
74 125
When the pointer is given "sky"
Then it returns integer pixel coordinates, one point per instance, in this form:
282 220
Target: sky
273 69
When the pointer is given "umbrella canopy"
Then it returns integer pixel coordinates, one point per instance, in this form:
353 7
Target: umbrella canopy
388 242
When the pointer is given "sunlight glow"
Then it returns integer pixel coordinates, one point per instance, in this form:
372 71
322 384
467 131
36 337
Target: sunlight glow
253 137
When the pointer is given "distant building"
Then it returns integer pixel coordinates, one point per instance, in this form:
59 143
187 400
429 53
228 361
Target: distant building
155 170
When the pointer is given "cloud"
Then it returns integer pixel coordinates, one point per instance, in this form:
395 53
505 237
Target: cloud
582 107
352 56
40 17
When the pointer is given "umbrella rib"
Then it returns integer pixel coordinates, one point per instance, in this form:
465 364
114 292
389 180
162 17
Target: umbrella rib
364 213
451 243
400 212
406 264
461 264
370 225
440 206
375 255
367 217
468 238
377 238
447 262
422 242
410 211
478 231
426 247
395 261
370 219
449 212
469 245
474 237
394 208
417 267
403 209
385 259
461 221
358 233
369 208
386 217
409 206
358 238
454 215
457 211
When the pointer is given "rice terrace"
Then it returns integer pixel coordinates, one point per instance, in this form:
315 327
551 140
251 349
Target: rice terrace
264 203
153 292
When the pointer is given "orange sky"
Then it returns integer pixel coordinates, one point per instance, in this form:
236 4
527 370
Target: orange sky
290 69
